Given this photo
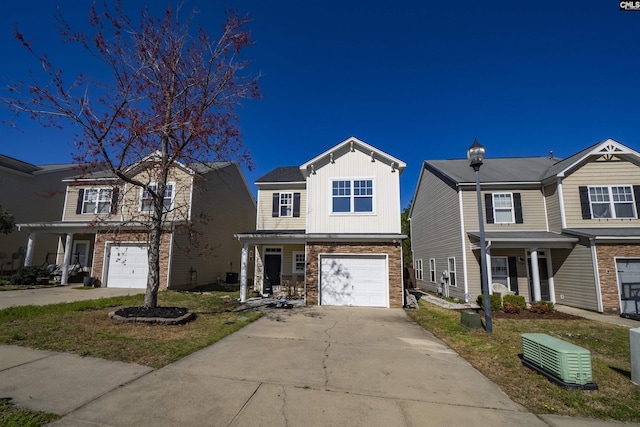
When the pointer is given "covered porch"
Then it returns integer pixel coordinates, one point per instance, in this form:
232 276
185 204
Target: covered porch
522 260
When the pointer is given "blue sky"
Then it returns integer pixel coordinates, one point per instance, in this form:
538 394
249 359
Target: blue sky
416 79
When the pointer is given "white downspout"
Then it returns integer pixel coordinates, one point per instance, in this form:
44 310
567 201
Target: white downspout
463 247
596 272
243 272
561 199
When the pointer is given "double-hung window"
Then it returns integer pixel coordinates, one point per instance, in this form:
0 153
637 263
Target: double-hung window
418 267
298 263
352 196
432 270
286 204
452 271
612 202
502 208
146 201
97 200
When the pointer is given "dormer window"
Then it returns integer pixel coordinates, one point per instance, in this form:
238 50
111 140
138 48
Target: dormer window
352 196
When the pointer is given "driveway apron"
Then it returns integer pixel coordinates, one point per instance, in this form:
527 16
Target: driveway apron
312 366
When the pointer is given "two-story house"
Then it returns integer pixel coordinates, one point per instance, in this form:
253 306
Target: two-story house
103 229
30 192
329 230
565 231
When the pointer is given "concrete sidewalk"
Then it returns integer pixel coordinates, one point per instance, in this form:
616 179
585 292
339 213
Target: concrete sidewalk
307 366
58 294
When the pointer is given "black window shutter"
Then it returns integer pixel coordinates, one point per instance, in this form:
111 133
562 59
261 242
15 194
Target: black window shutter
513 275
114 200
275 209
636 195
584 202
80 198
296 204
488 207
517 204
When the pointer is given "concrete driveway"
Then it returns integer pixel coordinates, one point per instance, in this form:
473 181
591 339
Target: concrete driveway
312 366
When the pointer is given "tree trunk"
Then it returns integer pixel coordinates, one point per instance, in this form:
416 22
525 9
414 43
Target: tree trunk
155 237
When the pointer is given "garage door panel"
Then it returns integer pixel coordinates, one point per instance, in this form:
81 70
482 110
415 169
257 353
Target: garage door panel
128 266
354 280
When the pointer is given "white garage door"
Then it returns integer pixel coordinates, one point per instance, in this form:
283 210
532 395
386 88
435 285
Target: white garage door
357 280
128 266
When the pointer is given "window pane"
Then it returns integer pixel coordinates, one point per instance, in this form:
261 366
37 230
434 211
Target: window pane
341 188
503 216
502 201
341 204
89 201
363 204
502 207
601 210
599 194
624 210
363 188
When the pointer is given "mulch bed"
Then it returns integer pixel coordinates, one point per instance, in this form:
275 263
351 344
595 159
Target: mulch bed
163 315
530 315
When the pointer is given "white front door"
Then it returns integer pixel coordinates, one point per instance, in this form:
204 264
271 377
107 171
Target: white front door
354 280
128 266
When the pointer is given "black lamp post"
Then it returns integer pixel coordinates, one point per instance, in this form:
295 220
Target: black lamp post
475 154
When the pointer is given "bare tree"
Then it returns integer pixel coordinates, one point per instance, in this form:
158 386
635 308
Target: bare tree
173 95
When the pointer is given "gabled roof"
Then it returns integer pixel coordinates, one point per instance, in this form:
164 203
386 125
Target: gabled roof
282 174
608 148
494 170
354 143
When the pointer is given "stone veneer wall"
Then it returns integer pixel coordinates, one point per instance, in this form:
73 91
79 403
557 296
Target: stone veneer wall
608 276
126 237
393 251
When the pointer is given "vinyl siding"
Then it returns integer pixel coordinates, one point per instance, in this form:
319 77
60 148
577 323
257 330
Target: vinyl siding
354 165
574 277
435 231
31 198
265 219
552 201
598 172
222 206
533 211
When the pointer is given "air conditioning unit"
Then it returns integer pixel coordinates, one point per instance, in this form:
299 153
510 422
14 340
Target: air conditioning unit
567 362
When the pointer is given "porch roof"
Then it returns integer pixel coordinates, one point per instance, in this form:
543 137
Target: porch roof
609 234
524 239
301 236
65 227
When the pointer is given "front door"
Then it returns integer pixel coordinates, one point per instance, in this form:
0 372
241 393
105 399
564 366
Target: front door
272 269
544 279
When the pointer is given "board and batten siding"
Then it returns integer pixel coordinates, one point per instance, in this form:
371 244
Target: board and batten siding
574 283
552 200
222 206
597 173
354 165
435 230
266 221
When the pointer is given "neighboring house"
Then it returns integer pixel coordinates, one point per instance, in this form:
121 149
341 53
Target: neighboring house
29 193
329 229
565 231
103 226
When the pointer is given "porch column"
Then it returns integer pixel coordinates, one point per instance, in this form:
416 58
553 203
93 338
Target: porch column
67 259
489 275
28 258
243 272
535 275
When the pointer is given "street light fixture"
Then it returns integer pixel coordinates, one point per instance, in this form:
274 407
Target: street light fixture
475 154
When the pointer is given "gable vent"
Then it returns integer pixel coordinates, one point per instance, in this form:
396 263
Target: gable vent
563 360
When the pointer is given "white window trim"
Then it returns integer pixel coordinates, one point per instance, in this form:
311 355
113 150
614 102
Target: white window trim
352 196
97 201
293 265
281 205
171 184
432 270
417 265
453 277
612 203
512 210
